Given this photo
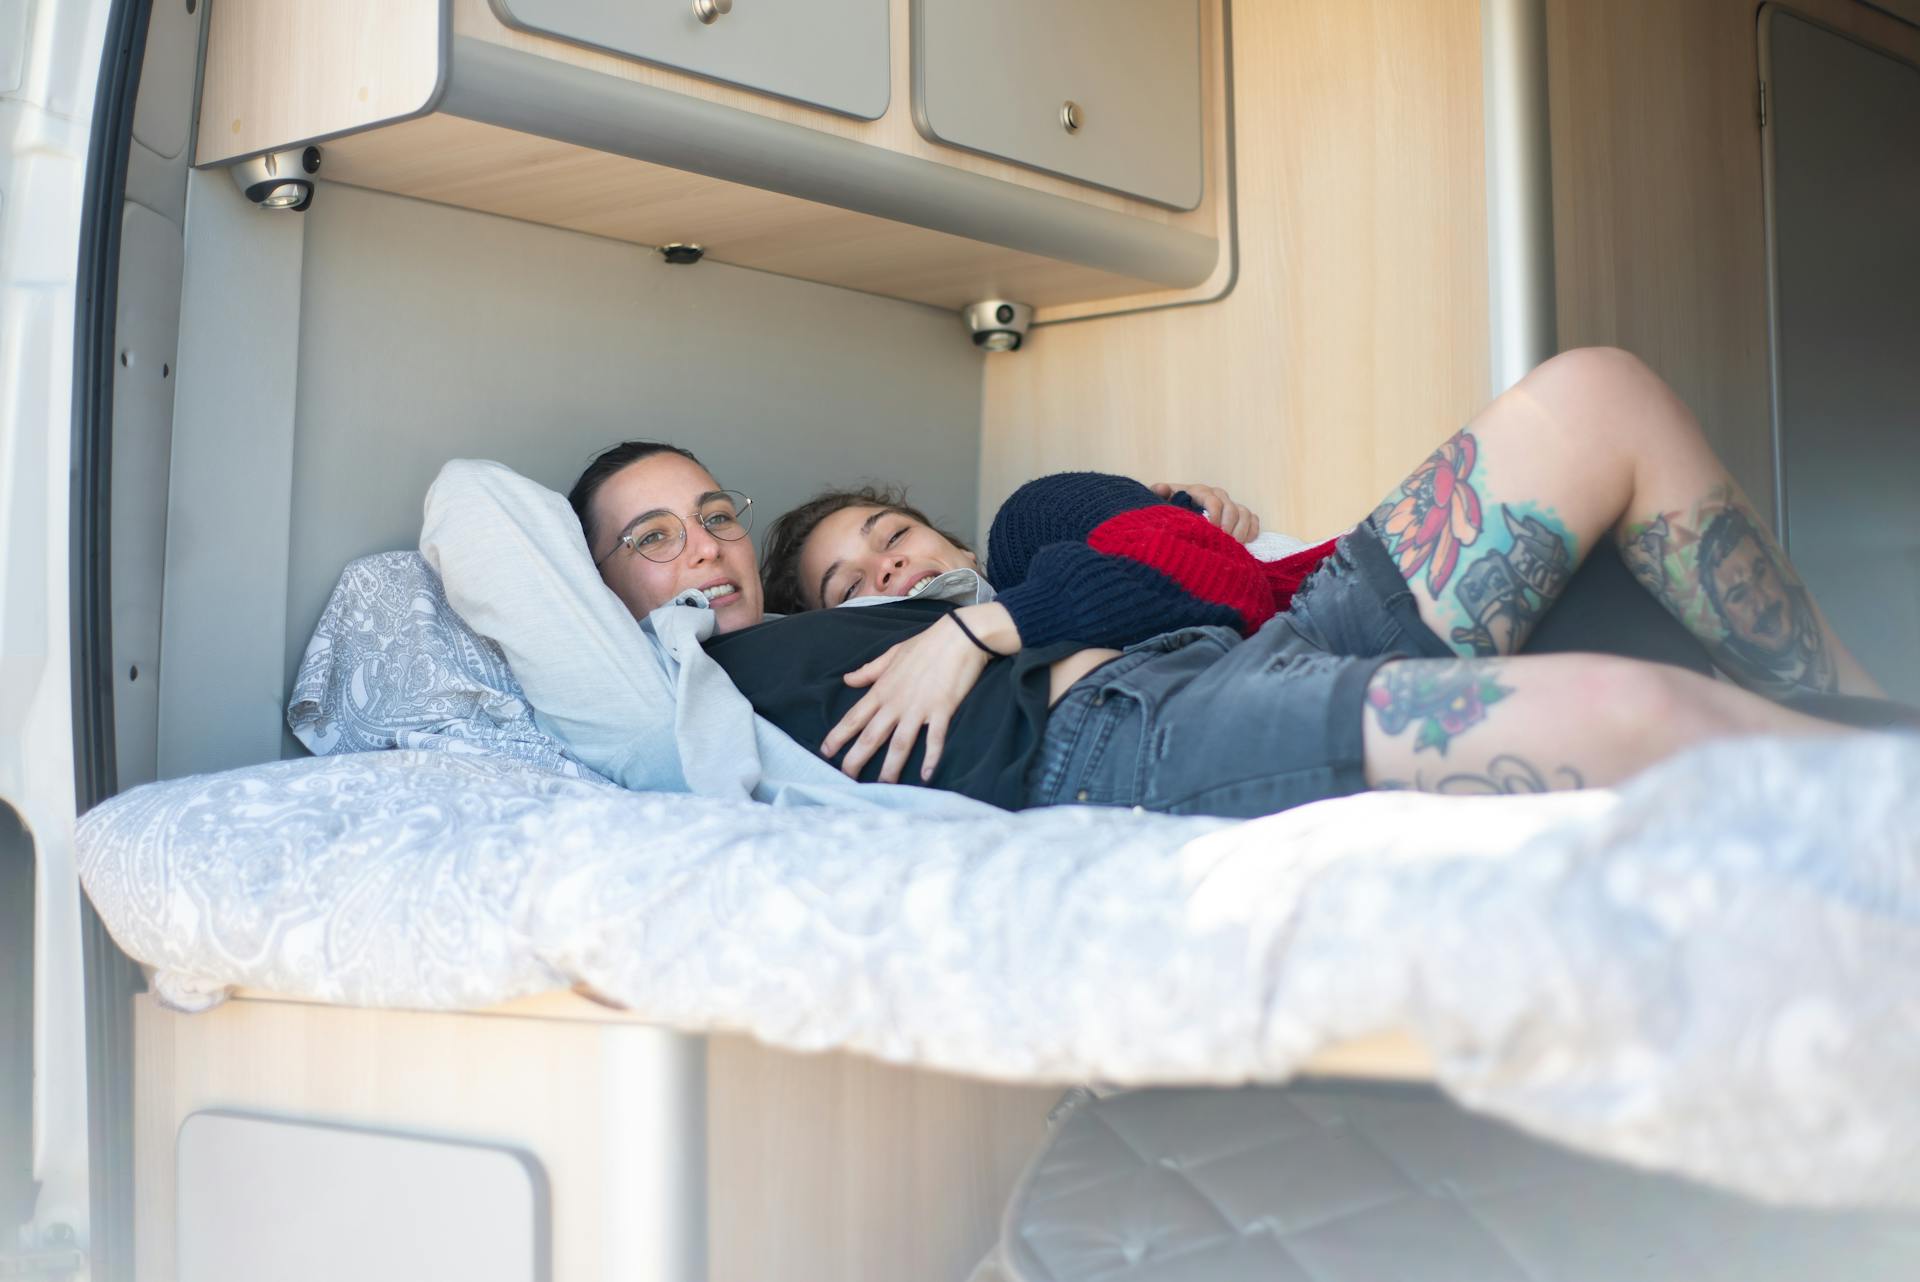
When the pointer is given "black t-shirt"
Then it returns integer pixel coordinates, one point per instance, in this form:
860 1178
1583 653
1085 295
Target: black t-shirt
790 670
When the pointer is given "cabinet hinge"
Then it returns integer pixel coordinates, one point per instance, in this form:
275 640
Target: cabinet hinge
1763 104
42 1266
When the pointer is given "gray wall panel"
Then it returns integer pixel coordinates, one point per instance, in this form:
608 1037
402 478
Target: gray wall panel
429 333
1845 188
146 332
221 690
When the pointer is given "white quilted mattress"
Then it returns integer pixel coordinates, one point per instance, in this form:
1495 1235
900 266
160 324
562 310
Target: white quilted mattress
1714 972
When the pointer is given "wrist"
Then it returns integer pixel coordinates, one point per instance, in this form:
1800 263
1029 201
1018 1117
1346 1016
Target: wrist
992 624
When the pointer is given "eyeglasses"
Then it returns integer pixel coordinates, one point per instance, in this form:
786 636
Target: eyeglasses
662 536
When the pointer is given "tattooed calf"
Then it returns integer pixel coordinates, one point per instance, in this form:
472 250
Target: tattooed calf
1773 636
1505 593
1722 578
1646 551
1447 698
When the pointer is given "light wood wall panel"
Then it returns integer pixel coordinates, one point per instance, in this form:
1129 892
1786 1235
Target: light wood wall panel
1356 337
1659 224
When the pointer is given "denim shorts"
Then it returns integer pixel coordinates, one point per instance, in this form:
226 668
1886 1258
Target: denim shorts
1200 721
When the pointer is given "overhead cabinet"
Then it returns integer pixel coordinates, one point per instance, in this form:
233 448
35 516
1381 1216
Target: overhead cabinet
1104 91
826 53
779 135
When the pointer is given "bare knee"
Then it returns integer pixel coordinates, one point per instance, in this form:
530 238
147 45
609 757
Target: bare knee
1611 396
1653 704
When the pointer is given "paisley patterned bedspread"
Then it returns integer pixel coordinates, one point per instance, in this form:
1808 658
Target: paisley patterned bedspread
1714 971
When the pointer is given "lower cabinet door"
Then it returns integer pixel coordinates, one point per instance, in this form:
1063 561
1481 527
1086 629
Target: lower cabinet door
261 1198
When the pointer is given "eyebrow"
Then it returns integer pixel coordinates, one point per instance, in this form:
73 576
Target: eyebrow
866 528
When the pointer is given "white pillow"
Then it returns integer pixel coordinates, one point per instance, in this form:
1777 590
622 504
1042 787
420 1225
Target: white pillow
515 565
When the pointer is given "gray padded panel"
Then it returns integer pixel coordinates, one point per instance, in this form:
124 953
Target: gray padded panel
152 253
429 333
1344 1182
163 113
830 53
263 1198
16 1019
223 683
146 330
1845 125
992 76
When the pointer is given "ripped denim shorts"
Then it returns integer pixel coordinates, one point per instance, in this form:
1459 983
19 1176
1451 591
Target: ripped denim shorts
1201 721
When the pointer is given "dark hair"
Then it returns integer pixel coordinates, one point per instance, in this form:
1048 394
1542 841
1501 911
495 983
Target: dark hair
604 465
780 566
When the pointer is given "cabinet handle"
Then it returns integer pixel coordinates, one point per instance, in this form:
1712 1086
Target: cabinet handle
711 11
1071 116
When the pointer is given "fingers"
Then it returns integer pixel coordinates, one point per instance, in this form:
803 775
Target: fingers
1240 521
899 748
850 725
872 670
936 744
878 731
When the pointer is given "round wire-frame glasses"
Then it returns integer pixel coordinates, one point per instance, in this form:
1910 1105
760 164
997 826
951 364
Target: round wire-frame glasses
661 536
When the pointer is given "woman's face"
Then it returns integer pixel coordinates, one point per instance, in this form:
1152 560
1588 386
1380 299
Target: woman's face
873 551
635 499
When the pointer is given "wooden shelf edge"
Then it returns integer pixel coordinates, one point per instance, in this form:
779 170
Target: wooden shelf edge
1387 1056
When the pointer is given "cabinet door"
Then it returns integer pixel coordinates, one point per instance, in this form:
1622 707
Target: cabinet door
826 53
1103 91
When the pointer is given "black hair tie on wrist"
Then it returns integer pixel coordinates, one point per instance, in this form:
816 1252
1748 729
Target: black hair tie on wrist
955 616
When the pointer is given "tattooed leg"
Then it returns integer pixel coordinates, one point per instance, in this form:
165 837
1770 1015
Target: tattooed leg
1547 722
1718 570
1593 445
1491 568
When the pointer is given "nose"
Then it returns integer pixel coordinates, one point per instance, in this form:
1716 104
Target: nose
888 570
701 545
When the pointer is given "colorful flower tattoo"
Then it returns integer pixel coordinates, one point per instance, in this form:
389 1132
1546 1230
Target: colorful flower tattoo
1446 697
1435 514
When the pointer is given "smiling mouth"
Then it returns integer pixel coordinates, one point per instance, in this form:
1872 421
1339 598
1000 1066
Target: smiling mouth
720 593
920 585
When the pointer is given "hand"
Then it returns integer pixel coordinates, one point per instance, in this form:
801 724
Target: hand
1236 519
917 684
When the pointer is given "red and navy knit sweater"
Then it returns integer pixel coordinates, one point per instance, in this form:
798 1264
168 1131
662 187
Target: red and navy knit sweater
1102 560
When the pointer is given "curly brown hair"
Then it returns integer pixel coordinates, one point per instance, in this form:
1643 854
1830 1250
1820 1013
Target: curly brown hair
780 560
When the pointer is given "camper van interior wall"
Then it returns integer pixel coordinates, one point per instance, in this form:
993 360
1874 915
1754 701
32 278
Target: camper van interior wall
279 179
523 869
